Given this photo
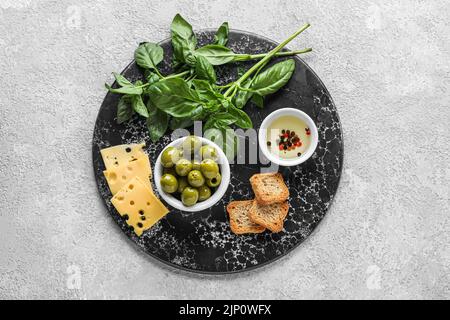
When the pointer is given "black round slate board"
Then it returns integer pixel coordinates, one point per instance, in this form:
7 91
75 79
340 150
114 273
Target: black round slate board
202 241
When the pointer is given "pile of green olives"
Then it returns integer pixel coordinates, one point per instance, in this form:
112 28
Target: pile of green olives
190 172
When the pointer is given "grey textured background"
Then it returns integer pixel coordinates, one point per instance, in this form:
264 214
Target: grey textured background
386 65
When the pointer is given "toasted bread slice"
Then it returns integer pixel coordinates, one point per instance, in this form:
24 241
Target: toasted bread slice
270 216
239 220
269 188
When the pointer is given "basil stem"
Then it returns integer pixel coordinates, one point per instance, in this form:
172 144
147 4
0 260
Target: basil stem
177 75
264 60
246 57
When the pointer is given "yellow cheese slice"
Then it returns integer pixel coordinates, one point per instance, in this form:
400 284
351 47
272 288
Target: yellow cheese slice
117 177
116 156
136 201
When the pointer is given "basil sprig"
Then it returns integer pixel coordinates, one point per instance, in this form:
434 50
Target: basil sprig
176 100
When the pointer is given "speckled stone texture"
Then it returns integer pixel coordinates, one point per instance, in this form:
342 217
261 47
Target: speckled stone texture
387 233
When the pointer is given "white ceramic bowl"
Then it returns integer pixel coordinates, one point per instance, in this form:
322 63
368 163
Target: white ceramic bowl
262 136
215 197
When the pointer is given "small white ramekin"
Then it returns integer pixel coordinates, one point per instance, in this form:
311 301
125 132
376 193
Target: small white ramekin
262 136
215 197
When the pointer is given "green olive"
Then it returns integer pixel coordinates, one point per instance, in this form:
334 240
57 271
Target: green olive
169 157
189 196
183 167
208 152
169 183
209 168
192 144
204 192
195 178
214 182
195 165
182 183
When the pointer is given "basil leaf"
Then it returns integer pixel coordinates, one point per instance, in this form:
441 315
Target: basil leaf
212 107
205 70
151 109
148 55
242 118
202 85
176 87
206 90
151 77
183 38
157 122
124 109
121 80
197 113
216 54
221 36
258 100
273 78
221 120
243 96
124 90
230 143
174 97
180 123
139 106
190 58
226 139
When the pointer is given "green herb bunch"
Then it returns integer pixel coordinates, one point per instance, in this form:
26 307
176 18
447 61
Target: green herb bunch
192 93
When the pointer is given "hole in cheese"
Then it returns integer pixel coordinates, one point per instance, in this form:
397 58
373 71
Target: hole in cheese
129 168
112 177
125 178
131 187
140 204
120 198
128 149
126 217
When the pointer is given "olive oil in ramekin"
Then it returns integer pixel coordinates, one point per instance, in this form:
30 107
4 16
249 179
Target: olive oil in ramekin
288 137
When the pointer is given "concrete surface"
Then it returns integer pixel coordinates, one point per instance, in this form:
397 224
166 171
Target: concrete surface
386 64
